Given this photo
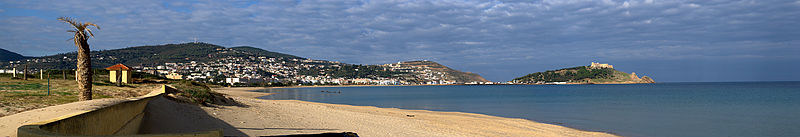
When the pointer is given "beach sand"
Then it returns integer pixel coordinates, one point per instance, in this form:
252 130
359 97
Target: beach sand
257 117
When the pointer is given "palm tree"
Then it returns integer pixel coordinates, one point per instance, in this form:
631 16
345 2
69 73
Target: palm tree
84 60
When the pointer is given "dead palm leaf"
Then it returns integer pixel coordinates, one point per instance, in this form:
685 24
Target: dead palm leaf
80 28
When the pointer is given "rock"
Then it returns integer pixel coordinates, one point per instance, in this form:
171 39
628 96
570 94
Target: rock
647 79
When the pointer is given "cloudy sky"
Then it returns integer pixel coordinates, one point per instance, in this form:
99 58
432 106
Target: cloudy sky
669 40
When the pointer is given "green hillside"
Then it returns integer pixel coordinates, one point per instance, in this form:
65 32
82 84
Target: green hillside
584 74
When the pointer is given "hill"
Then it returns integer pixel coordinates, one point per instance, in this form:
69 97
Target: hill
261 52
6 55
584 74
153 55
213 64
433 71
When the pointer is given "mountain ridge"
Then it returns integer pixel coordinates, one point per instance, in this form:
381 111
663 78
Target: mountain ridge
6 55
265 52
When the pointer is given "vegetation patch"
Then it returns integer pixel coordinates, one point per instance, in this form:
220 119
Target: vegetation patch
17 95
573 74
584 74
21 86
197 93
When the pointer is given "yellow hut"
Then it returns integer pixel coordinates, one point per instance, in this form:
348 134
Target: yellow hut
113 73
174 76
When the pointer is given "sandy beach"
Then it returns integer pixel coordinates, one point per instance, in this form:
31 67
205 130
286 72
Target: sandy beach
259 117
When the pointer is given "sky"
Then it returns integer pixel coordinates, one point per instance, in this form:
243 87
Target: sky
668 40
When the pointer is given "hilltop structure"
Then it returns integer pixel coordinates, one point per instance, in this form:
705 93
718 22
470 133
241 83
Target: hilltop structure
598 65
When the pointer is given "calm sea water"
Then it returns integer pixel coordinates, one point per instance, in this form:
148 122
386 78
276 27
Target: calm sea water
663 109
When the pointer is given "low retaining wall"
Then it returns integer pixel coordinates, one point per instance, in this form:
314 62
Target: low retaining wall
122 119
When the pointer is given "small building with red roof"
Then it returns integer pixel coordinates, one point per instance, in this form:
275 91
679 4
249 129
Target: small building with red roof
121 72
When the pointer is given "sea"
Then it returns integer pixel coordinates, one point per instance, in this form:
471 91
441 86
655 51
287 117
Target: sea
706 109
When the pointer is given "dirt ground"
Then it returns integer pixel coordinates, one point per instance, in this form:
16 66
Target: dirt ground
17 95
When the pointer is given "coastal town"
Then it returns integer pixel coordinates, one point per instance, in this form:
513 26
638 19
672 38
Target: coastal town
237 67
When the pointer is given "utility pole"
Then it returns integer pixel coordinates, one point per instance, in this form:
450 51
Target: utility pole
41 74
64 72
15 72
25 73
94 74
48 83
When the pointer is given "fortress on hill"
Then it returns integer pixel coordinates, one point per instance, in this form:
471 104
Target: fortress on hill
598 65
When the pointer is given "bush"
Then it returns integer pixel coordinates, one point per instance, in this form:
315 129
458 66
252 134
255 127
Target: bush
196 92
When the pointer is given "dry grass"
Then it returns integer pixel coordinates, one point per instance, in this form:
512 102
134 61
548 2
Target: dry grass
21 95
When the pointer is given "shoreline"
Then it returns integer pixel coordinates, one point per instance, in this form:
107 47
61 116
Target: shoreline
456 123
328 86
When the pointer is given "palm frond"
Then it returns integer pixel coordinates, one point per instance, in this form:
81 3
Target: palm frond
92 24
90 32
80 28
70 21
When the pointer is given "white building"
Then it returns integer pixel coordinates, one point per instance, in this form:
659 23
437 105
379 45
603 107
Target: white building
232 80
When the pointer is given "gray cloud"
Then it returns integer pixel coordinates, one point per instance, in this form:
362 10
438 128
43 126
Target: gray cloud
499 39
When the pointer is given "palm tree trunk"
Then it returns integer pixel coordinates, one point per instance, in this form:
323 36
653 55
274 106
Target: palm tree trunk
119 78
84 69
